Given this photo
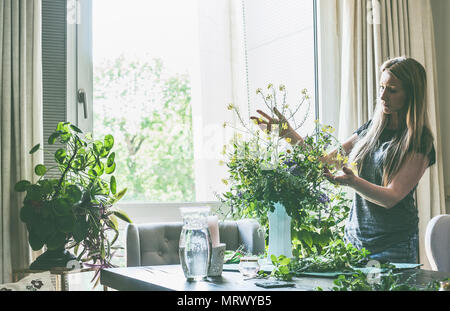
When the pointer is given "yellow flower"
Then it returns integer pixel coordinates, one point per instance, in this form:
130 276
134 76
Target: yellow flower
353 164
286 106
230 107
288 151
311 158
255 121
284 126
288 139
225 181
345 160
339 157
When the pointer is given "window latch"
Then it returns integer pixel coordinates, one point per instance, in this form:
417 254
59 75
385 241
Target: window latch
81 95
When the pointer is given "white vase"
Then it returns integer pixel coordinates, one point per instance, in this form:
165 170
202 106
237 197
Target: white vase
280 242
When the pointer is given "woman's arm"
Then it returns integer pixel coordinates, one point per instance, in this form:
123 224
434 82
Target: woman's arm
403 182
287 131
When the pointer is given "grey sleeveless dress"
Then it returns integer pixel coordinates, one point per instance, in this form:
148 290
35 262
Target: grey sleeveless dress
389 234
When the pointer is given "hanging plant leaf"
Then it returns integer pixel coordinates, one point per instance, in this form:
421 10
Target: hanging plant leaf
60 155
53 137
76 129
122 215
35 148
113 185
110 169
40 170
74 193
97 147
109 142
21 186
111 159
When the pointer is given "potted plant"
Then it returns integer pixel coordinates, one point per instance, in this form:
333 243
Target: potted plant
73 207
265 171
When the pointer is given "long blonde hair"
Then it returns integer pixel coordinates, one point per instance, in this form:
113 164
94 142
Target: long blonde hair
414 134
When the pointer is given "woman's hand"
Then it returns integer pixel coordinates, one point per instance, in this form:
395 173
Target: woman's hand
348 179
285 129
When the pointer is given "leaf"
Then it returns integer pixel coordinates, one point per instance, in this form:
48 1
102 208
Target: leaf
111 158
122 215
307 238
97 146
274 259
56 240
113 185
35 148
76 129
110 169
53 137
285 261
120 194
21 186
109 142
114 222
74 193
40 170
60 155
66 224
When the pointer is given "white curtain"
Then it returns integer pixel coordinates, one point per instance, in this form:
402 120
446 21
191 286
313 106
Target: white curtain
21 122
368 33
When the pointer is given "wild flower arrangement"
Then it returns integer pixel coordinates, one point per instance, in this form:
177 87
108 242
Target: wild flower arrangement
265 169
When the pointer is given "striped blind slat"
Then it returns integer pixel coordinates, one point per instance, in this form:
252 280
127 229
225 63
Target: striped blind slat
54 71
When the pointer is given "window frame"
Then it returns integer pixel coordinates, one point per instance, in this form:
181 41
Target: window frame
80 75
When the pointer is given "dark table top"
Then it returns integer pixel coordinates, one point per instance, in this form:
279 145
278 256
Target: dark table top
171 278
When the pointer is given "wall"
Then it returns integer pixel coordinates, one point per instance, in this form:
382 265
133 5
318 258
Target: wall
441 13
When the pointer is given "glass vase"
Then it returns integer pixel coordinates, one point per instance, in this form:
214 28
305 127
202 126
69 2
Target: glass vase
195 243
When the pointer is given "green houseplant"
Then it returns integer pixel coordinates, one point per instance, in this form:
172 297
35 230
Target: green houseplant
74 210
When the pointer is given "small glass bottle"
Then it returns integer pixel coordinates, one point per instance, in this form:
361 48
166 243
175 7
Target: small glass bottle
249 266
445 286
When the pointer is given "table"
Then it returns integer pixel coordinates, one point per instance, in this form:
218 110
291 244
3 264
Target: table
171 278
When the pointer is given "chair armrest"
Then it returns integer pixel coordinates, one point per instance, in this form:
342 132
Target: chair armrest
251 235
133 246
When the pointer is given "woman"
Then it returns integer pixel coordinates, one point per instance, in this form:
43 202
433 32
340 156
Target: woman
392 151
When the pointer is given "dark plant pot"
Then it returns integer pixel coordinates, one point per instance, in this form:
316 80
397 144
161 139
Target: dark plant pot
53 259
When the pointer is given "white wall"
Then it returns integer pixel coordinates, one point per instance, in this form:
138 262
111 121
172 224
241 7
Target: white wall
441 13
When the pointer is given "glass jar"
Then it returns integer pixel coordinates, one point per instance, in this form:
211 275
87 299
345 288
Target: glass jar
249 266
445 286
195 243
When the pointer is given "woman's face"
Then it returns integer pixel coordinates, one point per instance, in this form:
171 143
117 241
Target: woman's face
392 94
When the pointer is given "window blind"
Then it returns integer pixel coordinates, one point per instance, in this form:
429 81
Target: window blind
54 72
280 49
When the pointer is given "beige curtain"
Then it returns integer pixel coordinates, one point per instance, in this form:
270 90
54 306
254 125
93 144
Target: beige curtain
20 122
368 33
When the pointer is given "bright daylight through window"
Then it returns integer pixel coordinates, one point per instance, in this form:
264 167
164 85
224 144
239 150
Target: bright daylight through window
146 71
142 59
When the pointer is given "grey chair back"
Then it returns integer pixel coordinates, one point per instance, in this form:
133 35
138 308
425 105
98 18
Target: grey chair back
157 243
437 243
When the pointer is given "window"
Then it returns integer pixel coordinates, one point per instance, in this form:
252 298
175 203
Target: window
161 74
142 67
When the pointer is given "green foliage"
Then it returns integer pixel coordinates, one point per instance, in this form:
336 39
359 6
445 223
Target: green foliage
152 126
264 169
336 256
75 210
281 269
360 281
